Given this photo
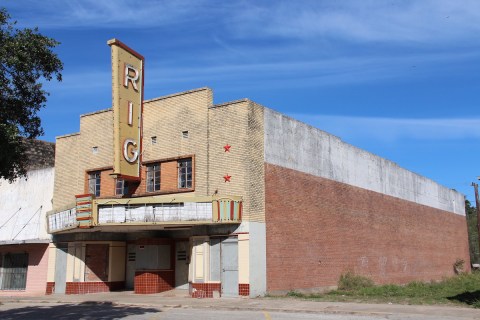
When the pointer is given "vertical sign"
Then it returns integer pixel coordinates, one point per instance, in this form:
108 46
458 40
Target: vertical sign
127 100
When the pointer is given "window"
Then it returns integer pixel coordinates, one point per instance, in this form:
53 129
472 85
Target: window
185 134
13 271
153 177
94 183
185 173
121 187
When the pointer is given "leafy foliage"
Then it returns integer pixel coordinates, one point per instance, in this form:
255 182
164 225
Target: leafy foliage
26 59
473 240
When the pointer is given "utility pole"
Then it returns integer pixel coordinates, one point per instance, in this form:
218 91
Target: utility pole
477 202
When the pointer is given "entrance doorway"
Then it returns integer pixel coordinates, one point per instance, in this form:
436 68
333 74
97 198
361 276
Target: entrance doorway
182 253
130 270
61 267
229 258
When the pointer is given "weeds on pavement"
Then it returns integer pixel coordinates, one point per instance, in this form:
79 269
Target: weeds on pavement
463 289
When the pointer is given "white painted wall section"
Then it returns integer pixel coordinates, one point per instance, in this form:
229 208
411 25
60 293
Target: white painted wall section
295 145
23 206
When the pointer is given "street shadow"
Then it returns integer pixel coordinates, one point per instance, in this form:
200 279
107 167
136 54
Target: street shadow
469 298
85 311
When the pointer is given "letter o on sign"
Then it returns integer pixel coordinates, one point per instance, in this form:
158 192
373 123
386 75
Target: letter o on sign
132 156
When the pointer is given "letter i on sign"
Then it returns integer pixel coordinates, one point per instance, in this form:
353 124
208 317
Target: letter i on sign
130 113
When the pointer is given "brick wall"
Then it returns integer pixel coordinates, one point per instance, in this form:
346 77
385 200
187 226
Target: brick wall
92 287
75 155
244 289
318 229
147 282
204 290
50 288
240 125
165 118
295 145
69 180
168 180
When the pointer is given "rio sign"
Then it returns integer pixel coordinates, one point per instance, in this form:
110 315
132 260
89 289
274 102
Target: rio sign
127 101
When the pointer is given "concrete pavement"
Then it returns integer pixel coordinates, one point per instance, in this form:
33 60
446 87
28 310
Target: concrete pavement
165 300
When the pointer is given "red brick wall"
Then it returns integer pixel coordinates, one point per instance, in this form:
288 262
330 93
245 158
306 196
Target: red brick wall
92 287
168 179
50 288
244 289
154 281
204 290
318 229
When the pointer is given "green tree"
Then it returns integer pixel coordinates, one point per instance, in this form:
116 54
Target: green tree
26 59
471 213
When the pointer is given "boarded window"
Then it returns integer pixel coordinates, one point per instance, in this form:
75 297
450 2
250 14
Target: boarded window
96 262
215 259
153 257
200 259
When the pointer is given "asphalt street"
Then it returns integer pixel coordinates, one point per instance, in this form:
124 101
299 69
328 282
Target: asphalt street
126 305
107 311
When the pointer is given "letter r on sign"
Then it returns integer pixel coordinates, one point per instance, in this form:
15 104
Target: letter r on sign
128 70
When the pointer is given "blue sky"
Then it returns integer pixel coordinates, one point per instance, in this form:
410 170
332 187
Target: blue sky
400 79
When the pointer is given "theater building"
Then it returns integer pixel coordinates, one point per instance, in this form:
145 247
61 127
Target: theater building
234 199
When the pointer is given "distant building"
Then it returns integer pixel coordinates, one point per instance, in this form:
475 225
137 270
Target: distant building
234 199
24 239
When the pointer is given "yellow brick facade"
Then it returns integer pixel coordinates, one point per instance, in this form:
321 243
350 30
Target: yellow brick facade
240 125
75 154
169 120
166 118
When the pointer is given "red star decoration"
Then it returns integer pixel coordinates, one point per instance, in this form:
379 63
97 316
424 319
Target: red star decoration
227 148
227 178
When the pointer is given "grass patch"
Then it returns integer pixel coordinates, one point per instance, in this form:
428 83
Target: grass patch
351 282
463 289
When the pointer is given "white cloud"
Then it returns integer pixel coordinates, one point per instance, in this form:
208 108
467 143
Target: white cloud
366 20
390 21
104 13
243 75
395 129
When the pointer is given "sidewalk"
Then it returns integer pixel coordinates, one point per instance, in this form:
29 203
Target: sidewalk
161 301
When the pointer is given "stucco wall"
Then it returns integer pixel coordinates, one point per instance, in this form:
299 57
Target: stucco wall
24 204
295 145
37 268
